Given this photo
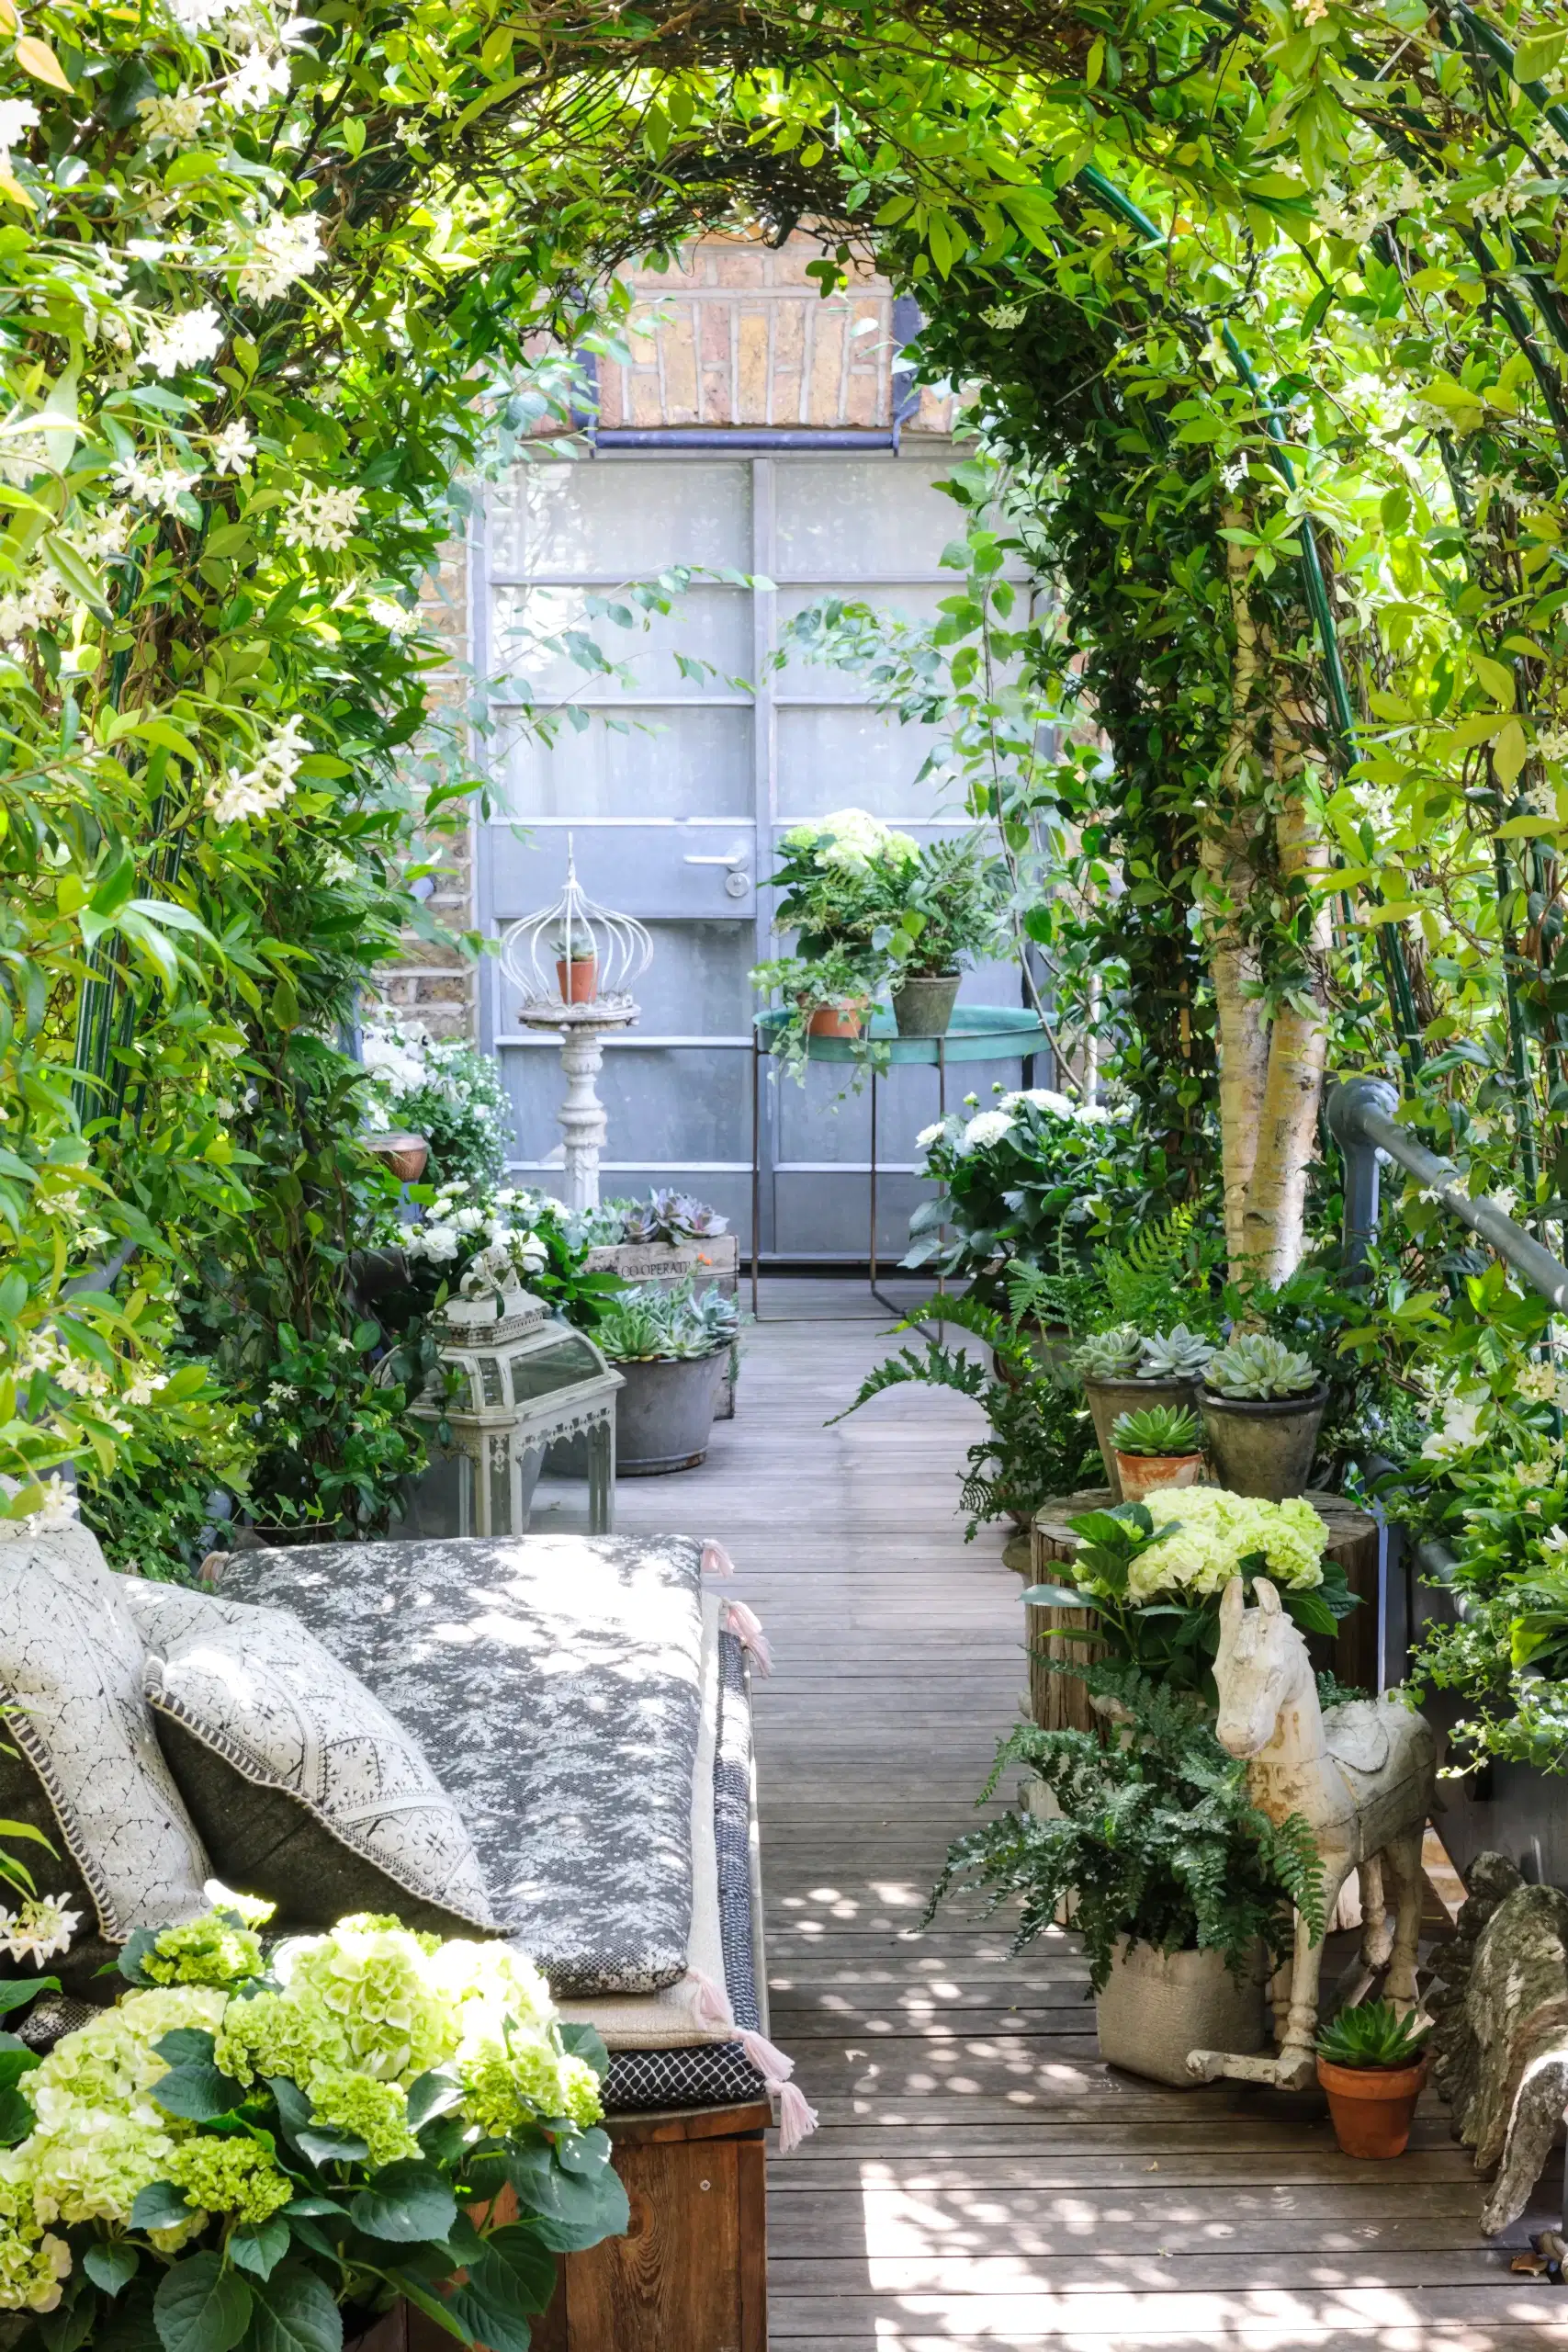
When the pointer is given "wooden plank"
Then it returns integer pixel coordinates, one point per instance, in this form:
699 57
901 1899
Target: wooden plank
980 2178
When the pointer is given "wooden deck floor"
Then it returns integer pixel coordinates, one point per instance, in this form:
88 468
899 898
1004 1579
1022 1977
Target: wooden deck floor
980 2180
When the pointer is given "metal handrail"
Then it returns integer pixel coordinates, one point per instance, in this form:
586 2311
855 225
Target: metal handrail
1361 1119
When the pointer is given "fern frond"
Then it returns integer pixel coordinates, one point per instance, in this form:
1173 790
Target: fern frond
937 1368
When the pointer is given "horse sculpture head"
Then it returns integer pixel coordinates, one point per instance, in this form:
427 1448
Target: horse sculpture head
1259 1667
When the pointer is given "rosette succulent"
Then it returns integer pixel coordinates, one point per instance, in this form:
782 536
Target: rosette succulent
1176 1354
1256 1367
1157 1430
1110 1355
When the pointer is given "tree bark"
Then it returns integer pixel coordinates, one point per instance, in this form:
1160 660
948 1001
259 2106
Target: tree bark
1229 857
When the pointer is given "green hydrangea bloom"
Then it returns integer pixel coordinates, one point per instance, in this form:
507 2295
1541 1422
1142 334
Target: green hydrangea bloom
91 2166
237 2176
372 1985
378 2111
33 2262
111 2064
211 1950
274 2034
1213 1530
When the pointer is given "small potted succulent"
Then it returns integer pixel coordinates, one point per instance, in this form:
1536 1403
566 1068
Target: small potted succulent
670 1347
1262 1404
1161 1445
577 962
1123 1371
1372 2061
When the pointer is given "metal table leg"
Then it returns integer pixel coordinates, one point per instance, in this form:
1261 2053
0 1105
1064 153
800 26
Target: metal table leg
756 1164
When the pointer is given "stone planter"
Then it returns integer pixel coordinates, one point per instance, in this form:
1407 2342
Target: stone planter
1371 2107
664 1414
923 1008
1140 1475
1159 2005
1264 1447
1108 1399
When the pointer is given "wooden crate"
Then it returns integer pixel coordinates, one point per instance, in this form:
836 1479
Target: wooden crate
1058 1702
690 2274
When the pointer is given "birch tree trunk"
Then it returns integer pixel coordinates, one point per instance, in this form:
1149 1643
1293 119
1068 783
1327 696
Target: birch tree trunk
1229 852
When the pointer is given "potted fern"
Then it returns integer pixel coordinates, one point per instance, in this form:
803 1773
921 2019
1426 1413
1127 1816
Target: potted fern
1124 1371
1262 1404
1180 1889
1158 1445
1372 2061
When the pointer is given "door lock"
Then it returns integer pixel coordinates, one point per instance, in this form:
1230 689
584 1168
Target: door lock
736 884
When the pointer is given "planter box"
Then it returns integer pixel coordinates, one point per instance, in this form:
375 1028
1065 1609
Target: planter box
715 1261
1159 2005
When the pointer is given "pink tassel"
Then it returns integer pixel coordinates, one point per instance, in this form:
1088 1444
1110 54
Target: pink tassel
768 2059
796 2119
717 1561
711 2007
744 1622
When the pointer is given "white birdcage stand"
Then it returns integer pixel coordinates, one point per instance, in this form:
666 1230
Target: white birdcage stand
592 955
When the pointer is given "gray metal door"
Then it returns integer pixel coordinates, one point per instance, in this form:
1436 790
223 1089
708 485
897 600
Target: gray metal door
679 787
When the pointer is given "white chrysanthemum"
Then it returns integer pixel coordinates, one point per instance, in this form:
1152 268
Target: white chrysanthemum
928 1135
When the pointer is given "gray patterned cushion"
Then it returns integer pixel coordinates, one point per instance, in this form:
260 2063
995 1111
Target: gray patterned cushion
557 1677
88 1771
304 1787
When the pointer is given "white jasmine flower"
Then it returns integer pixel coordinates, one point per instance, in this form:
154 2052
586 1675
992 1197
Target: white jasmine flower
256 84
283 252
322 519
1505 1198
234 448
172 121
197 16
397 618
267 783
40 1928
334 867
184 341
18 116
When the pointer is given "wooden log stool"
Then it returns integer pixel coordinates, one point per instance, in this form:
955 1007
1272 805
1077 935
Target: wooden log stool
1059 1702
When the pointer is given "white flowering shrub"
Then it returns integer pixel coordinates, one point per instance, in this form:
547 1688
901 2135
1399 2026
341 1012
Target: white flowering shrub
244 2140
442 1089
1035 1174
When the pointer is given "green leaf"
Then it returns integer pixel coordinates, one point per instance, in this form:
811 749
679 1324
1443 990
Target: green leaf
570 2211
295 2313
260 2250
110 2265
407 2201
1057 1596
160 2206
431 2094
586 2042
1311 1612
200 2306
76 574
199 2093
1537 55
187 2045
18 1991
583 2151
321 2146
16 2118
532 2264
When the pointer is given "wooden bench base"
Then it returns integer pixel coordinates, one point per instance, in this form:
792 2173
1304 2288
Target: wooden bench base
691 2275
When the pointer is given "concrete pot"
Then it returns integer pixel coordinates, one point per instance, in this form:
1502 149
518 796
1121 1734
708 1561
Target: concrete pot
1159 2005
1108 1399
1371 2107
1141 1474
923 1008
1264 1447
664 1414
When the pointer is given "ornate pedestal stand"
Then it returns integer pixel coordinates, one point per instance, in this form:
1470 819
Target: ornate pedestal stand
581 1029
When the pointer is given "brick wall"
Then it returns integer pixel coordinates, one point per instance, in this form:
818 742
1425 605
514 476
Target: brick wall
737 334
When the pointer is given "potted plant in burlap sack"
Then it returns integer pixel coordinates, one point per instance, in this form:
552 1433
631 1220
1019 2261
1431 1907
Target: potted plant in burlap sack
1183 1893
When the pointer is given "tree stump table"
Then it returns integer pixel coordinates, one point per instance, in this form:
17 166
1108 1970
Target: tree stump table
1060 1703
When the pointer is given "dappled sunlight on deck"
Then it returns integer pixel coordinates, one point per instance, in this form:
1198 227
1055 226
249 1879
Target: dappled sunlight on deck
980 2181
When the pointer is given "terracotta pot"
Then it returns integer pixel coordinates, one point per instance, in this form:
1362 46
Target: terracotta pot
407 1156
1371 2107
833 1021
1108 1399
1145 1473
579 980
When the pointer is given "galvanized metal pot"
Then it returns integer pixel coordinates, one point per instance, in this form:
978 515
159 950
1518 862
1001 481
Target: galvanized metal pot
664 1414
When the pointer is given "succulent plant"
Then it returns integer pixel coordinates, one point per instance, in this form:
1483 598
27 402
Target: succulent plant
645 1322
1257 1366
1176 1354
669 1215
1376 2034
1157 1428
1110 1355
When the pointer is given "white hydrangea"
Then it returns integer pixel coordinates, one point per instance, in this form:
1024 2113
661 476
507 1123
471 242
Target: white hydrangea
184 341
320 519
284 250
264 785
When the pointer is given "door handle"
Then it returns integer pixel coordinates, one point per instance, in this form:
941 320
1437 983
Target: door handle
736 857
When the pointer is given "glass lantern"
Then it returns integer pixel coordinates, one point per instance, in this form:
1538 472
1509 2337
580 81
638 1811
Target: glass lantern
513 1379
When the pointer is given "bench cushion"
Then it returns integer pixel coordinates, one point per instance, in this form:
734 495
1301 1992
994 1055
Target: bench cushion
556 1680
300 1783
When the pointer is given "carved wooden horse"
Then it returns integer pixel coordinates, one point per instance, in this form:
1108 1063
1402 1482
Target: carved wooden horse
1362 1778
